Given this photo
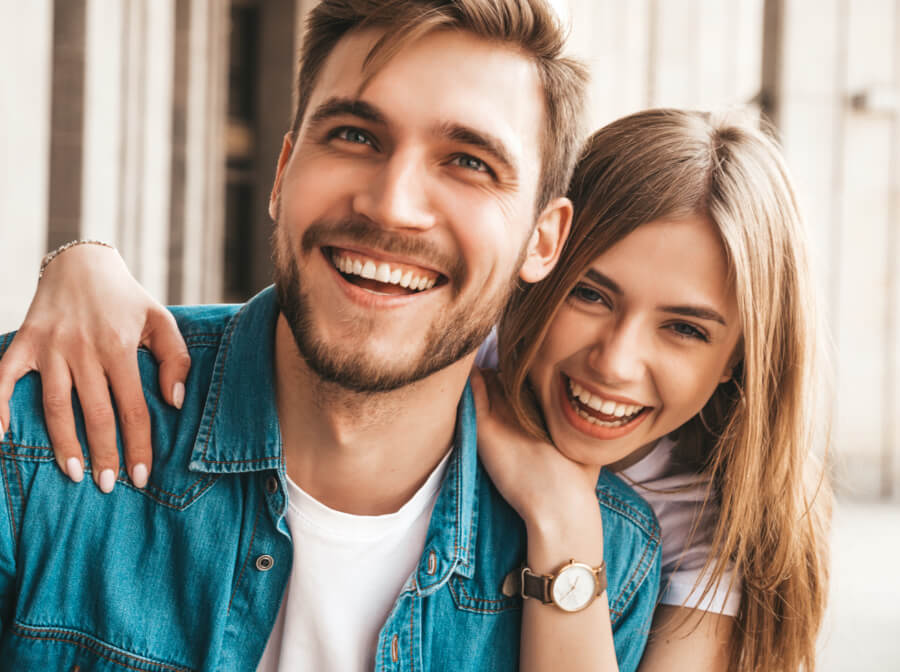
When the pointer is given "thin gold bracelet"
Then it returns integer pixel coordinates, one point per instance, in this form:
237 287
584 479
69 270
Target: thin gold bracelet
53 254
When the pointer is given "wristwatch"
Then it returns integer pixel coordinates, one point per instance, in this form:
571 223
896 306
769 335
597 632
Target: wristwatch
572 588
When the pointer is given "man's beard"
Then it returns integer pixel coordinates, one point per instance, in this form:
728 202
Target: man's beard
452 336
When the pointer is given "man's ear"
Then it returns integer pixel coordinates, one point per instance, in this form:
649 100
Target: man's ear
287 146
547 240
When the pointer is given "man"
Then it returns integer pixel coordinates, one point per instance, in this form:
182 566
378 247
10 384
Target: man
317 502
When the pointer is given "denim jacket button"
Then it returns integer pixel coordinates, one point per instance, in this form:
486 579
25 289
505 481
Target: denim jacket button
271 485
265 562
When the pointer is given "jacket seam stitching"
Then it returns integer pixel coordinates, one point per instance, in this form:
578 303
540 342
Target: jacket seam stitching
172 505
632 513
412 611
12 517
92 644
639 569
220 383
237 583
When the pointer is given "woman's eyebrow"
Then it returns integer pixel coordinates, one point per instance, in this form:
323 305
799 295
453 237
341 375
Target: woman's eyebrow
700 312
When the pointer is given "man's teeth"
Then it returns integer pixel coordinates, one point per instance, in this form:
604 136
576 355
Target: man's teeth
382 272
604 406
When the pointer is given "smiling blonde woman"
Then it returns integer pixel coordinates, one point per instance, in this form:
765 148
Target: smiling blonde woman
676 342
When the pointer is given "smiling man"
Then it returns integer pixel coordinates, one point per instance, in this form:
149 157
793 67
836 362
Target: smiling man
317 502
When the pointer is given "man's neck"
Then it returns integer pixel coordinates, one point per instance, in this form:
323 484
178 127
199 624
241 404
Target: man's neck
365 454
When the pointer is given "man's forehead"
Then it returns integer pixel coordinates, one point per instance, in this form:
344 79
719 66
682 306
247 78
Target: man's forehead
448 77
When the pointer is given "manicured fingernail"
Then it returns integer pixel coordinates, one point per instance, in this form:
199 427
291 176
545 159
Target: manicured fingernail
178 394
107 480
139 475
74 470
2 431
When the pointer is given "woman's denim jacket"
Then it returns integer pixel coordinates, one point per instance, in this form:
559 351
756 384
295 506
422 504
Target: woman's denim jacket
188 573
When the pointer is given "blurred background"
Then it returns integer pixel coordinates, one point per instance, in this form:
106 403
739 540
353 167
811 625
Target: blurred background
156 124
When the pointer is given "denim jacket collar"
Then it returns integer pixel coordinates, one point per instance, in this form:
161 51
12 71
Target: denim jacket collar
239 432
450 544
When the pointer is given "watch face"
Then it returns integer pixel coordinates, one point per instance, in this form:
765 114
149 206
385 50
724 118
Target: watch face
574 587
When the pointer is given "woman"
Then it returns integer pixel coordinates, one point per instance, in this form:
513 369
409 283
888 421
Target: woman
673 343
684 295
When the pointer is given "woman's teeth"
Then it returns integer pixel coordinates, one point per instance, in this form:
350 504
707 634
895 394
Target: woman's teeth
383 272
624 413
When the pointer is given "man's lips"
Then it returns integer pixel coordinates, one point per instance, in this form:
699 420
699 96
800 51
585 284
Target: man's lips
381 275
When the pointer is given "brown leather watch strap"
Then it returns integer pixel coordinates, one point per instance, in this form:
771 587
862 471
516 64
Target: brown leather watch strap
522 581
536 586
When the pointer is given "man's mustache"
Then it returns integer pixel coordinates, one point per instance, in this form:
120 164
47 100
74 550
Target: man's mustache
326 233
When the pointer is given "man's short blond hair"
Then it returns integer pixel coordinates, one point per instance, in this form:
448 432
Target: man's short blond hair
530 26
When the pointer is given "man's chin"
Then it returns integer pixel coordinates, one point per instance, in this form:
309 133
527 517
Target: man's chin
379 366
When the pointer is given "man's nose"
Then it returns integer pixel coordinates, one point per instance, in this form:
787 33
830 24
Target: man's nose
619 354
398 195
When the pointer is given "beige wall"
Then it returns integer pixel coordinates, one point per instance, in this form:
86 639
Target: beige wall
151 158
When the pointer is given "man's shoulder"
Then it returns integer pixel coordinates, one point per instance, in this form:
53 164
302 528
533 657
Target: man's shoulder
203 328
201 323
616 496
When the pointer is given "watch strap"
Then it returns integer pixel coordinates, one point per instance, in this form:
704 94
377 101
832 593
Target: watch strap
525 583
535 586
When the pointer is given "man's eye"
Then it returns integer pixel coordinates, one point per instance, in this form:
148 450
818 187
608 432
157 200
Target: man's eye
470 162
352 135
685 330
587 294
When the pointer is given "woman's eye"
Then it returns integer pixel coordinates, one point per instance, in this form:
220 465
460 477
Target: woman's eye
470 162
686 330
352 135
588 294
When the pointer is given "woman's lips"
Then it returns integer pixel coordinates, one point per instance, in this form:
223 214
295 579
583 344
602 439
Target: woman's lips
592 421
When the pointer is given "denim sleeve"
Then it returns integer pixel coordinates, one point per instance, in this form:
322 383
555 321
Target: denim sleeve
633 626
632 546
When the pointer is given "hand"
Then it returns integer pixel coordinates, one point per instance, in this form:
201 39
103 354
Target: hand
552 494
72 334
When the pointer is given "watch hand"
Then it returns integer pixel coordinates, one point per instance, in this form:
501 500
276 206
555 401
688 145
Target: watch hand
571 589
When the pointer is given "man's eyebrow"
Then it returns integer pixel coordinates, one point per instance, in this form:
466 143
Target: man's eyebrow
699 312
337 107
604 281
484 141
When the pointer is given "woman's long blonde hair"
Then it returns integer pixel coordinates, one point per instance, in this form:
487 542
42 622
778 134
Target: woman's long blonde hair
753 440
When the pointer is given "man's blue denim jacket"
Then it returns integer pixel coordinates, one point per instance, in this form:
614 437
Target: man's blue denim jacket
174 577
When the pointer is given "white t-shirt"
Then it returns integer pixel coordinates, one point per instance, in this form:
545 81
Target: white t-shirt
677 500
347 573
682 557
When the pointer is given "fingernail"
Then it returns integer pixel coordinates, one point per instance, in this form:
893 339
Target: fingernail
2 431
139 475
178 395
74 469
107 480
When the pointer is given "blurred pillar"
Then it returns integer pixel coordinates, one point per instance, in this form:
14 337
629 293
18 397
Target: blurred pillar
773 39
196 249
66 121
26 50
274 108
